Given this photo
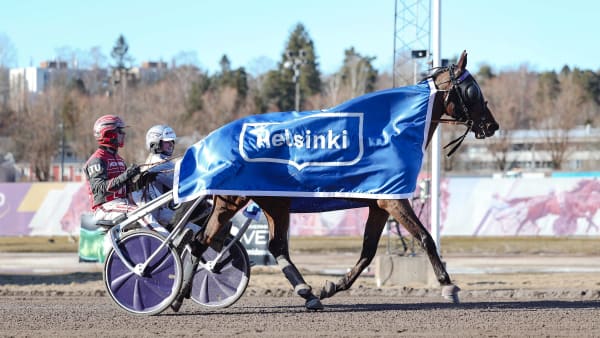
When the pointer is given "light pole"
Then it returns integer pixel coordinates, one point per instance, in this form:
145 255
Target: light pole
417 54
295 62
62 151
436 150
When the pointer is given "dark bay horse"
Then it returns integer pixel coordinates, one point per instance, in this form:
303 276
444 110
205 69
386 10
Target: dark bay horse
458 96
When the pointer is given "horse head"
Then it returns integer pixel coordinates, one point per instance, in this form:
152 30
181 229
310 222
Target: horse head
463 99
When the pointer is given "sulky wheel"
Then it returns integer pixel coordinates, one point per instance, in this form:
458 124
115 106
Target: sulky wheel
157 287
226 283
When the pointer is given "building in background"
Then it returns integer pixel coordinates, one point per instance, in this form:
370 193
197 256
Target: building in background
529 150
27 81
150 72
23 84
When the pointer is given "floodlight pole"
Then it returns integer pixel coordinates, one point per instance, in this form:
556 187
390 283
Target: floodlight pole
417 54
437 136
62 151
297 95
295 62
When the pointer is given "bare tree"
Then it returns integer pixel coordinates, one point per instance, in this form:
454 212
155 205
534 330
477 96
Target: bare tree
37 132
8 58
557 114
512 107
86 109
8 53
356 77
219 108
332 89
404 70
95 77
184 73
384 81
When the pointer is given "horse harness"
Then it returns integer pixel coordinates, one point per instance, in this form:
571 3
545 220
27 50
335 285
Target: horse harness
468 93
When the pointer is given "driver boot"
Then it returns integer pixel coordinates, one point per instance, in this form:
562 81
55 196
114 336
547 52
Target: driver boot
183 239
189 268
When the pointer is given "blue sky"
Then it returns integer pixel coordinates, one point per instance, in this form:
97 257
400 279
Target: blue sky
546 35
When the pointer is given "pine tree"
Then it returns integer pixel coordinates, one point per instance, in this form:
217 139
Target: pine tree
358 72
279 87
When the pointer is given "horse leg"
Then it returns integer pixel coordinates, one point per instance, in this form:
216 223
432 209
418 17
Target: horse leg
214 234
218 224
403 212
276 211
373 229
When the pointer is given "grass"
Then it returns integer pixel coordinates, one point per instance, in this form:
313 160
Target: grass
449 245
39 244
534 245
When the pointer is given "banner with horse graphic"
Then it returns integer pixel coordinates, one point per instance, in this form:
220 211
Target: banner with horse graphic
369 147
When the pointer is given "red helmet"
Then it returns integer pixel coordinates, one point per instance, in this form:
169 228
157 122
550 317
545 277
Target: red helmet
107 129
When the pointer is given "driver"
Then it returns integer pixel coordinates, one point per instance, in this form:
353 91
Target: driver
109 178
160 167
160 142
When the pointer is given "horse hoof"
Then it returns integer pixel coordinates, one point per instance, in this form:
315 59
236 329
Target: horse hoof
313 304
328 290
450 292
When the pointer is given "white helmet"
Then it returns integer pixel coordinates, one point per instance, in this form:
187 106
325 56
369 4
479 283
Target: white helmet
156 134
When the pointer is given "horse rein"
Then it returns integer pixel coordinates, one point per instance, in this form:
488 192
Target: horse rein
152 165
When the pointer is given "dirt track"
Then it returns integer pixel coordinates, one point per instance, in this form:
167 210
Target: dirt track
492 305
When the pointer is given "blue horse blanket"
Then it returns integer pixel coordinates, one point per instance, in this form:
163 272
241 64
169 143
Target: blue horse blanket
369 147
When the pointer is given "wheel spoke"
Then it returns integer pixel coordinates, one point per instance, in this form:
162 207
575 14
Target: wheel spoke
118 282
137 297
159 290
224 285
227 288
203 294
145 245
149 293
162 263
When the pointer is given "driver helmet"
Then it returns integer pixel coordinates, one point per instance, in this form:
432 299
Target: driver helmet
156 136
108 131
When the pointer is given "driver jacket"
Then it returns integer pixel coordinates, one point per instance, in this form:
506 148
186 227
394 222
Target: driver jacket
105 172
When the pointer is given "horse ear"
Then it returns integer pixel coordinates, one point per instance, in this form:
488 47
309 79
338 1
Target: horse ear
462 62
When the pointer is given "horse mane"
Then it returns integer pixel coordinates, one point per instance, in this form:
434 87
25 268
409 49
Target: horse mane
435 72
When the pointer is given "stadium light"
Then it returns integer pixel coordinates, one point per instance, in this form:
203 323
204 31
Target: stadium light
418 54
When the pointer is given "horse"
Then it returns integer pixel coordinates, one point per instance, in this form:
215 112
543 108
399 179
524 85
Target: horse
459 96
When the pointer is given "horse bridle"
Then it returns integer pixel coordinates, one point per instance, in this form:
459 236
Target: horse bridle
466 89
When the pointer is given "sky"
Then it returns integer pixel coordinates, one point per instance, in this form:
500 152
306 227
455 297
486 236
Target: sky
505 34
